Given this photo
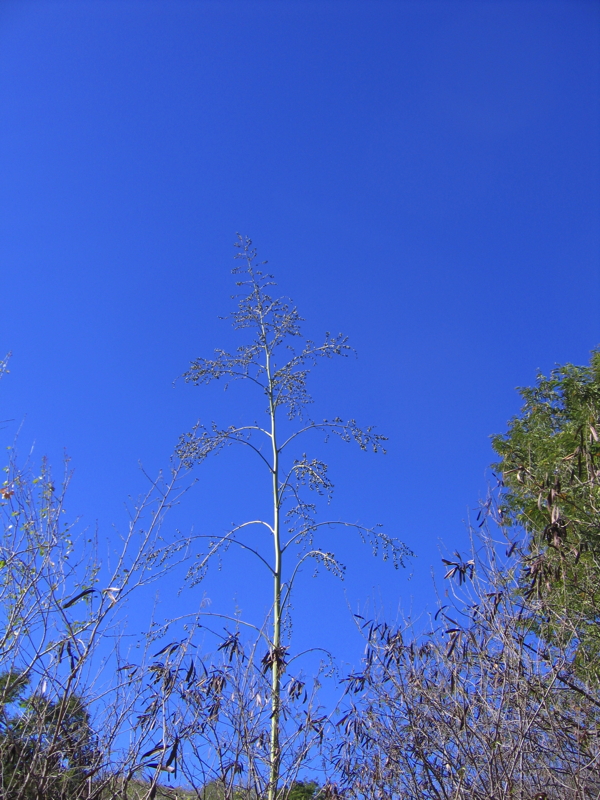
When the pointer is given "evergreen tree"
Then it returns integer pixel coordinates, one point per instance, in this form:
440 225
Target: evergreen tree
550 474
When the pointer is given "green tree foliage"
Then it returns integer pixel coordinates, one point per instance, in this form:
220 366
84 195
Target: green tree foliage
44 743
550 467
302 790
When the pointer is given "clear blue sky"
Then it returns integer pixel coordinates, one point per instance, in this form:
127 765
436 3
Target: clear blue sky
423 176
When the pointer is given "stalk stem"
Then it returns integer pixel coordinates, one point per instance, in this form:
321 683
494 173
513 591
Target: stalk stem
276 655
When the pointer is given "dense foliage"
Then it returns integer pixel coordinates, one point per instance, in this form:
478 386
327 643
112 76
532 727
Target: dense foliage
44 742
550 471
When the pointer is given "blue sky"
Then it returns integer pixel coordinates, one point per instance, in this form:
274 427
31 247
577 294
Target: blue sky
423 176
